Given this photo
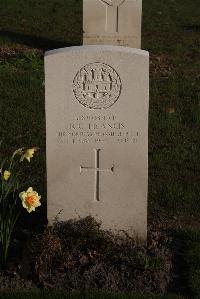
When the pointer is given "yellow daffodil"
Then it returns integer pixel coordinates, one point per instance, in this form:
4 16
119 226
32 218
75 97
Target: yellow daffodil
30 199
6 175
28 154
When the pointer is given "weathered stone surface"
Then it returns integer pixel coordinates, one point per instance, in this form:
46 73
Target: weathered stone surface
97 135
112 22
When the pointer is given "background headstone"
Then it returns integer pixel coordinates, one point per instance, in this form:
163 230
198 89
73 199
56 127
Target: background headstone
112 22
97 135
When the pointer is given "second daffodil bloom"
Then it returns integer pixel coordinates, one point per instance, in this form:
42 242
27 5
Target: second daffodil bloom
28 154
6 175
30 199
19 151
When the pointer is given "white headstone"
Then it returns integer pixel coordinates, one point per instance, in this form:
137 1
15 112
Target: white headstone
112 22
97 135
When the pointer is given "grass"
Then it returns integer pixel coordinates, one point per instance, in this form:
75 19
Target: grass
83 295
189 256
38 23
171 33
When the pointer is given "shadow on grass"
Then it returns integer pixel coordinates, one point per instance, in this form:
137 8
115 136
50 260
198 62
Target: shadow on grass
82 295
179 282
195 28
35 41
186 265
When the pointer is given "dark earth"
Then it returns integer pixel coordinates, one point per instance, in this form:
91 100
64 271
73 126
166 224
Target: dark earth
79 255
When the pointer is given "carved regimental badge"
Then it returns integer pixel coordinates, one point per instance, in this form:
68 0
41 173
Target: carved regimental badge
97 86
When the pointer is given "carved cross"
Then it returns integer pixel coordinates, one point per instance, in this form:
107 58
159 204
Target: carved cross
96 170
112 14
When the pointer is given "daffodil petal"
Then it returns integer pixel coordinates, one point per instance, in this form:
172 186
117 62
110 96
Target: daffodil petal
30 199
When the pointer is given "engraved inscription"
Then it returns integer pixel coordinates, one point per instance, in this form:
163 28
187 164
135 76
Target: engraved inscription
97 86
96 170
98 129
112 15
120 40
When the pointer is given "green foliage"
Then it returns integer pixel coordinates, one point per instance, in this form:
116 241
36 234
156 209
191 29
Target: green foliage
9 213
29 61
11 183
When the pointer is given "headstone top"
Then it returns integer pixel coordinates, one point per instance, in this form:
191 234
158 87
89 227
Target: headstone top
94 48
112 22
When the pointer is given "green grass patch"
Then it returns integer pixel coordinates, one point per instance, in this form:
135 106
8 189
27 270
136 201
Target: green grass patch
82 295
40 23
